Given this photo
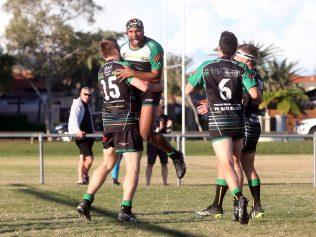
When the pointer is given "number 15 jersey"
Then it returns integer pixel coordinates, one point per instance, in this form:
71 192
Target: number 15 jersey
120 105
224 81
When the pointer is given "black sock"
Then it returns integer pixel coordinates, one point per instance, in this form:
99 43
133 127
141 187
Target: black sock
254 186
236 193
173 154
221 189
126 209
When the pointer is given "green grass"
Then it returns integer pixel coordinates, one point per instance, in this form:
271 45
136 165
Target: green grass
25 148
30 209
34 210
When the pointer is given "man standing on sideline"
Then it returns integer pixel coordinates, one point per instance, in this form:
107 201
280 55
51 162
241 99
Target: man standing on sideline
224 81
145 56
163 125
80 123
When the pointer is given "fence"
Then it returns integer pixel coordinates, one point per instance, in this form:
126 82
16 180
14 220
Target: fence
178 136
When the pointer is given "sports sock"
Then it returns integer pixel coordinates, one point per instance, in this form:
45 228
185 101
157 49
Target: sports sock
88 198
221 189
126 206
254 185
172 154
236 192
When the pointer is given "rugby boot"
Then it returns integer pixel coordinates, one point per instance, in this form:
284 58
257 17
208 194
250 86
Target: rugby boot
212 210
242 210
125 217
84 210
179 164
257 212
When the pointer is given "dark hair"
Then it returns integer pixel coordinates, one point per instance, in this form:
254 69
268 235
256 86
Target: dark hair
251 51
228 43
107 47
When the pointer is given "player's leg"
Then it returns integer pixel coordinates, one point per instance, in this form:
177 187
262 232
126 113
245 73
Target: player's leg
116 170
223 149
132 160
98 177
253 130
151 159
237 146
146 121
216 208
248 160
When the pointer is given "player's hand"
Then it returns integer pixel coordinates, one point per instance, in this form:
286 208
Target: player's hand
125 73
202 109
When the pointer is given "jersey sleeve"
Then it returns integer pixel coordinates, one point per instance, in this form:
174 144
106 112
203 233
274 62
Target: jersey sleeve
196 79
248 78
156 55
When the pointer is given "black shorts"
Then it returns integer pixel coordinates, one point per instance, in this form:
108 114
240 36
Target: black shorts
149 98
85 146
251 134
152 153
234 134
126 141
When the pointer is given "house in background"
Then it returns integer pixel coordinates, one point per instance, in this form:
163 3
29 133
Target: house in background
22 99
286 123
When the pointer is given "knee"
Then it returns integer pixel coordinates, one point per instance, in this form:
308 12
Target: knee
145 135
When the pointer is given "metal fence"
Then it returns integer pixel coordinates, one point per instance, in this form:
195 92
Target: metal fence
180 138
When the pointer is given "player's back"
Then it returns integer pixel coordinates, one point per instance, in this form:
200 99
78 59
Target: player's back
223 82
120 105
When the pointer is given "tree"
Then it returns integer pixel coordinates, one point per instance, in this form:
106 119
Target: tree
6 63
40 35
277 76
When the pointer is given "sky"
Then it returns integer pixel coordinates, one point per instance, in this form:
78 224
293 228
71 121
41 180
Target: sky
287 24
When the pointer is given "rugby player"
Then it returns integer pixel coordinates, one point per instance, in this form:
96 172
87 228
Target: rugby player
145 56
224 80
121 130
246 53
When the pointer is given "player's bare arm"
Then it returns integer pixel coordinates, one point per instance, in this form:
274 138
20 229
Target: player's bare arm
146 86
255 94
127 72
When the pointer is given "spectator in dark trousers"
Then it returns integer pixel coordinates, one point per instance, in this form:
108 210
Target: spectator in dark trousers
80 123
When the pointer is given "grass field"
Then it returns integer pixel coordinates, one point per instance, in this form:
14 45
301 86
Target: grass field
30 209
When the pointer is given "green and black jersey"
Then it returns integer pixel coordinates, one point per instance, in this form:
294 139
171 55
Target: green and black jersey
120 105
224 81
148 57
249 106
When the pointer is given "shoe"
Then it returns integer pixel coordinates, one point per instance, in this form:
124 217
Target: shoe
125 217
84 210
236 213
242 210
179 164
212 210
115 182
257 212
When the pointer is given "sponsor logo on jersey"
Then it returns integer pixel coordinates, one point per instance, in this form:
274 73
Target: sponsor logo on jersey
231 73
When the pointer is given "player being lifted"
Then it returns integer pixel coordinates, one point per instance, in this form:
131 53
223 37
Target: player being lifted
246 53
121 129
145 56
224 80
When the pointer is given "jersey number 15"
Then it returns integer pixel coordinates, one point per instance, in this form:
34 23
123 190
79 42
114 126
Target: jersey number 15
110 89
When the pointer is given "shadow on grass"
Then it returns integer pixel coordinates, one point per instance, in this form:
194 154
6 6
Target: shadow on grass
66 201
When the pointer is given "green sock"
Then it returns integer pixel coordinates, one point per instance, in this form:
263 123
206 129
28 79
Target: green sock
171 153
88 197
221 189
236 192
127 203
